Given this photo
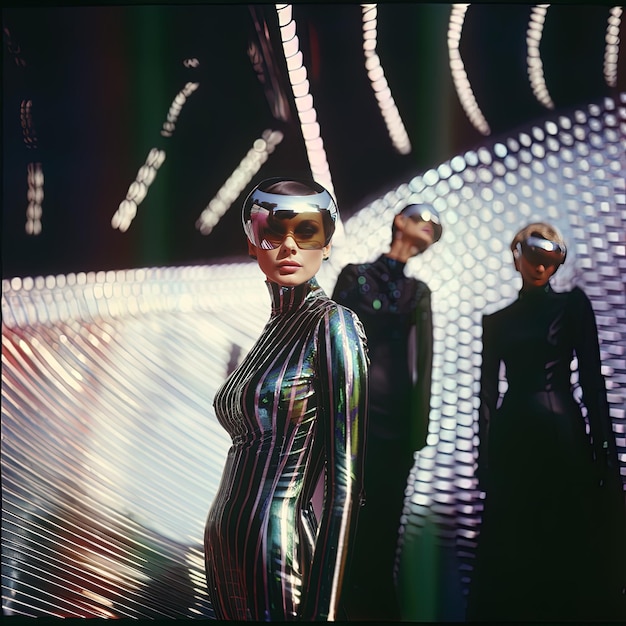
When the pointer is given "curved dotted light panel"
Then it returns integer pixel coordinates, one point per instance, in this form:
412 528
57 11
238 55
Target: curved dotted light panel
111 452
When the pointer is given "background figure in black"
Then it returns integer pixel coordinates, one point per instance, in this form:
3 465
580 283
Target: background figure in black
551 545
396 313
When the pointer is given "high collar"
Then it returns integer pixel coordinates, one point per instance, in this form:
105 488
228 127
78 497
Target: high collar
285 299
393 266
536 292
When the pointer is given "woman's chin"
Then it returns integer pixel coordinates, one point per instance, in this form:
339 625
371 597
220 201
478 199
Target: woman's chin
288 280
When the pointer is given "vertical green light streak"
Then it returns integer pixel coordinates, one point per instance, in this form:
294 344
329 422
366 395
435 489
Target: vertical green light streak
419 573
435 92
151 105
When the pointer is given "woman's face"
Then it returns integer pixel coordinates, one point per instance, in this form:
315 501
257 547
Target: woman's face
534 274
419 232
288 264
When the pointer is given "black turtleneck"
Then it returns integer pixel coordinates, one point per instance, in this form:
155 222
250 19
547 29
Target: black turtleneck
551 544
396 314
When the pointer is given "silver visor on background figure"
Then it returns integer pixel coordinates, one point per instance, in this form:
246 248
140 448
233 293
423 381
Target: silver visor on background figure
269 217
540 251
425 213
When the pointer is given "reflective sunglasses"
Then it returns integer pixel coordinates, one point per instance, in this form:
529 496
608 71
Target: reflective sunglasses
265 217
268 229
424 214
540 251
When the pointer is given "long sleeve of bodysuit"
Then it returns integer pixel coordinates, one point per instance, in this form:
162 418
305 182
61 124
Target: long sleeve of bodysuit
343 380
347 287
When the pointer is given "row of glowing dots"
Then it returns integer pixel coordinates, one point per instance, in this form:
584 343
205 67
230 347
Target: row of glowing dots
138 189
382 92
533 59
303 99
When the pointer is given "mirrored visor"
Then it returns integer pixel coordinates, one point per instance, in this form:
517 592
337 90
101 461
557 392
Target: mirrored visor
269 218
270 228
540 251
419 213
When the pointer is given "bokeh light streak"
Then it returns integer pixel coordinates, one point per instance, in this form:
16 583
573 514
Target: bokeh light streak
375 73
137 190
238 180
176 107
34 197
457 70
611 51
34 178
13 48
303 99
26 121
533 58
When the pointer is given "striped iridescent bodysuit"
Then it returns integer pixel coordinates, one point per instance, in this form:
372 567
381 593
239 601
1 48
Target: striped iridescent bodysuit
295 409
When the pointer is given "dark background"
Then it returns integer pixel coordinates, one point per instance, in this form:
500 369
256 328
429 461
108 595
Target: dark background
102 78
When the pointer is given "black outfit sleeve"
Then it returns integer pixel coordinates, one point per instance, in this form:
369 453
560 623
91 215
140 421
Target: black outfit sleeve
610 505
592 383
346 288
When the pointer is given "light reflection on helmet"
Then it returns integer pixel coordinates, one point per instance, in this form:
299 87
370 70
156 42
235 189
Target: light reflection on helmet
261 206
425 213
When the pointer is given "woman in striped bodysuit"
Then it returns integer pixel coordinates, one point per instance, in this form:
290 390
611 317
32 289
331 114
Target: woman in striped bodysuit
295 409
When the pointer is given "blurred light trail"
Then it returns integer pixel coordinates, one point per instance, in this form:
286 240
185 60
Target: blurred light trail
376 75
611 52
459 75
533 58
238 180
303 99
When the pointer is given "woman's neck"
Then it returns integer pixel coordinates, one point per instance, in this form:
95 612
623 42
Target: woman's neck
528 290
402 250
285 299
